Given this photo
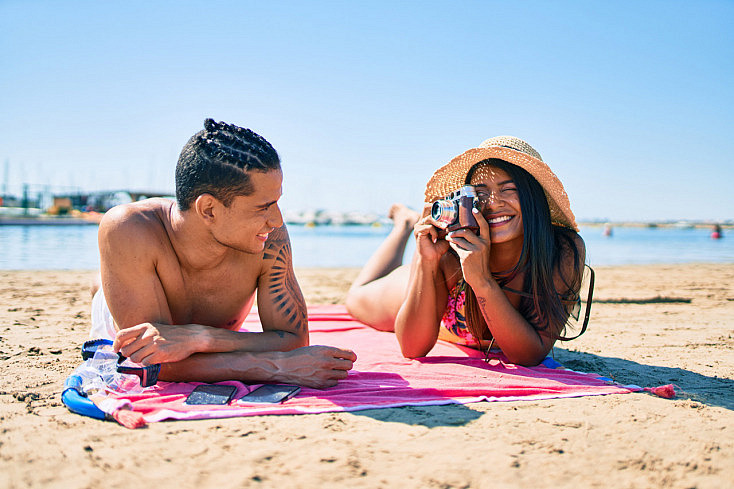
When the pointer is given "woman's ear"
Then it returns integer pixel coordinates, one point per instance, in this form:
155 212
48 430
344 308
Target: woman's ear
207 207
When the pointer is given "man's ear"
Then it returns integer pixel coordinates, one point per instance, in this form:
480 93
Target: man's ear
207 207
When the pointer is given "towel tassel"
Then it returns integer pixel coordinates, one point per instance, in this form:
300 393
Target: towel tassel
666 391
128 418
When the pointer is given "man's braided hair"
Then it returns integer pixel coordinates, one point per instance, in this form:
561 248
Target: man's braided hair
218 160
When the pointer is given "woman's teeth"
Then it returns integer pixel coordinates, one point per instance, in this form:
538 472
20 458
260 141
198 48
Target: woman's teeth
496 220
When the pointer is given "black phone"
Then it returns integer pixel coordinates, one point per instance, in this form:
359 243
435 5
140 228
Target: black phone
271 393
211 394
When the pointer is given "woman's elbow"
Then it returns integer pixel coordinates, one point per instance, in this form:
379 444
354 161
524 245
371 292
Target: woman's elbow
414 351
411 354
526 359
414 342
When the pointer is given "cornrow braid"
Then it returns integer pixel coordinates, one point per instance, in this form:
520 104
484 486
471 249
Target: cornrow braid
217 161
236 145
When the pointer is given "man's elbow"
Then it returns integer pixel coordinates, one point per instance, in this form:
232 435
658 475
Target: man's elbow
296 340
303 341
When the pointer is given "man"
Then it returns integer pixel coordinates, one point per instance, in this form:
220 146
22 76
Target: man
180 277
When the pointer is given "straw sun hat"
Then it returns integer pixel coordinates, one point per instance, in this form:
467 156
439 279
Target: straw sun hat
513 150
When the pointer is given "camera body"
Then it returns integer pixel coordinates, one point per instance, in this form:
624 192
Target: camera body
454 212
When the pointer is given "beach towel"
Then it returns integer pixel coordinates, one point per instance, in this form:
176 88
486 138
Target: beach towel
381 378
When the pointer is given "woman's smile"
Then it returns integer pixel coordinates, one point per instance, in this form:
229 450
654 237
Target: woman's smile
498 221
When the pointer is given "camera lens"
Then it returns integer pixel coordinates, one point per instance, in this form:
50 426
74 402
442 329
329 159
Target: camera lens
444 211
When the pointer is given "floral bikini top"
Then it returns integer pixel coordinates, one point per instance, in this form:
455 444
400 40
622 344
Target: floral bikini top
453 323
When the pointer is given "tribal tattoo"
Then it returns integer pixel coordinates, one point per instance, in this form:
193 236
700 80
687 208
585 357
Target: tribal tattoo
283 284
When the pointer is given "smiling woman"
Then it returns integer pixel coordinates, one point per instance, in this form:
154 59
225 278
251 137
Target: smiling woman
513 284
497 192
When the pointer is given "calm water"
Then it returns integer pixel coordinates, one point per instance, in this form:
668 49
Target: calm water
75 247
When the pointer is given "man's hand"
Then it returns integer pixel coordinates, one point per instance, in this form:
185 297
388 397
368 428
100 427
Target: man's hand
315 366
151 343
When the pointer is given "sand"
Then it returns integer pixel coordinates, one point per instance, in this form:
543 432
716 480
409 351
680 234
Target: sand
651 325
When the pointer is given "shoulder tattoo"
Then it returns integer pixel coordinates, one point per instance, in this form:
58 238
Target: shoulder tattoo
283 285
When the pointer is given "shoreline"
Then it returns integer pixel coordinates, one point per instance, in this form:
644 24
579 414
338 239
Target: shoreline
630 440
368 220
311 273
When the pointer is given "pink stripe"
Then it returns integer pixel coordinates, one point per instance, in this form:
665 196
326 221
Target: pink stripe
381 377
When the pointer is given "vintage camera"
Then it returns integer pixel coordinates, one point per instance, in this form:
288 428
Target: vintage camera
454 212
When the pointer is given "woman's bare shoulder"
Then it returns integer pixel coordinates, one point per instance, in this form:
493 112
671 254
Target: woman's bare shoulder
577 242
571 262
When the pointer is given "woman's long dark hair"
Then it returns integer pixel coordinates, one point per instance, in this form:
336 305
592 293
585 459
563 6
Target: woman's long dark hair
545 250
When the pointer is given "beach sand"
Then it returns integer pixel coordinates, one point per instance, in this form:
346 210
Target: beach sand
651 325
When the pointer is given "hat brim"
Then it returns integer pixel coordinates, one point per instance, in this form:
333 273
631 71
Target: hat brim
451 176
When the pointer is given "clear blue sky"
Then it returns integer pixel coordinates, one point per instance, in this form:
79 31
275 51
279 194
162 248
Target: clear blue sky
630 102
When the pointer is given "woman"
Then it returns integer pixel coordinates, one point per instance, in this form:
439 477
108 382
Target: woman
513 285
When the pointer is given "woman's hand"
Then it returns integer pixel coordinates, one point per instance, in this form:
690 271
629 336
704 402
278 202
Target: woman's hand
430 241
473 251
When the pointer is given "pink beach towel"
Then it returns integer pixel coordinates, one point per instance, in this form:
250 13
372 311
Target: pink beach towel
382 377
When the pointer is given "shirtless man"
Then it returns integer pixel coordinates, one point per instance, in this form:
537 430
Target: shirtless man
180 277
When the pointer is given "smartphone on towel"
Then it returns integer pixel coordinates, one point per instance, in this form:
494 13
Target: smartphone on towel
216 394
271 394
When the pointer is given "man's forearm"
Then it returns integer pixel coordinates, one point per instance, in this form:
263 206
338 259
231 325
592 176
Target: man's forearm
217 340
150 343
216 367
314 366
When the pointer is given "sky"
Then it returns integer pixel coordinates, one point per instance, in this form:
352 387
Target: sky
631 103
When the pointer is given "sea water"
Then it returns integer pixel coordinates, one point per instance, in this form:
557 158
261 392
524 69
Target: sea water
71 247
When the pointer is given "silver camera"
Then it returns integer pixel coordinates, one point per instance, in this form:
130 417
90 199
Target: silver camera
455 210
